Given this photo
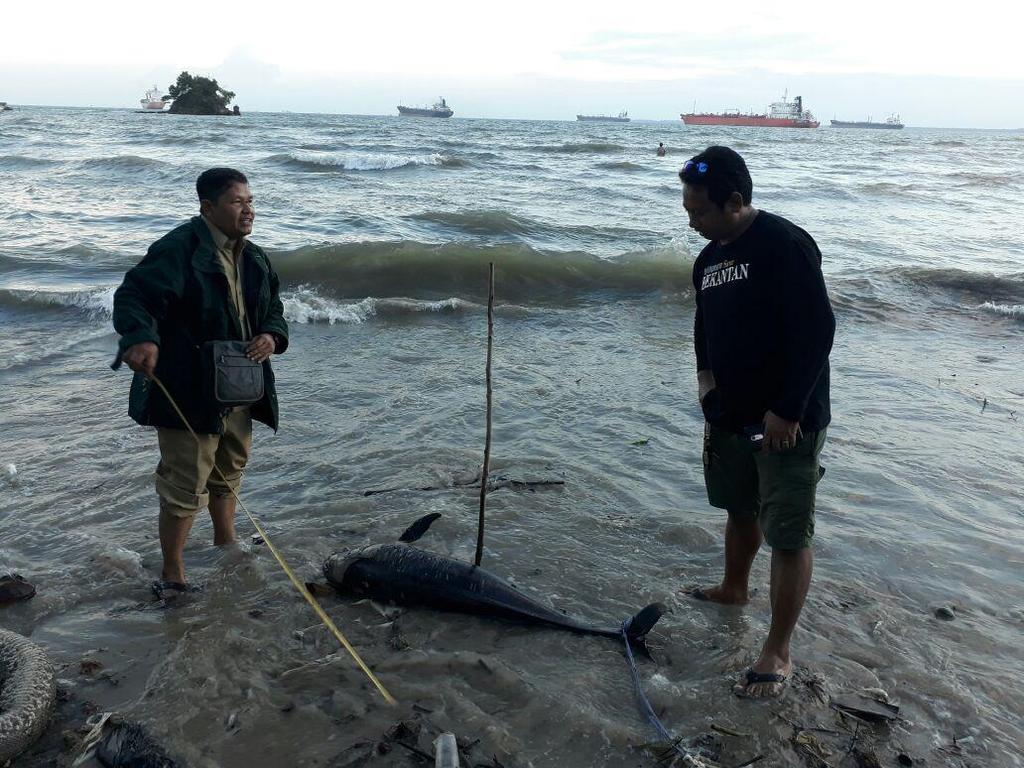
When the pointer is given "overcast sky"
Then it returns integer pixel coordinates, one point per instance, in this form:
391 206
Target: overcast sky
530 59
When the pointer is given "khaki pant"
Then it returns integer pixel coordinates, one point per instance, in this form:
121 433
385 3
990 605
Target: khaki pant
185 476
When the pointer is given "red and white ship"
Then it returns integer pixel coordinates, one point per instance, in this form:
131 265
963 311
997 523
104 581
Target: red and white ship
153 101
782 114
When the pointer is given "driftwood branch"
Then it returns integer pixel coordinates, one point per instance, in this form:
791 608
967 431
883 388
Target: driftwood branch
493 484
751 761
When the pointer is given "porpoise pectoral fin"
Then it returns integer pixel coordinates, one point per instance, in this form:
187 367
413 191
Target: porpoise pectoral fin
420 527
642 623
319 589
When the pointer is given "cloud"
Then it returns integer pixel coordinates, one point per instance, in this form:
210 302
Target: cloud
667 56
535 59
723 47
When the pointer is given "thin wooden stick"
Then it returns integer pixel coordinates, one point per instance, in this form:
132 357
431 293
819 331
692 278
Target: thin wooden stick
487 442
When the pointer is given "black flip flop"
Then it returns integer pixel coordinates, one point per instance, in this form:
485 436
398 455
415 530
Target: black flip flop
174 587
755 678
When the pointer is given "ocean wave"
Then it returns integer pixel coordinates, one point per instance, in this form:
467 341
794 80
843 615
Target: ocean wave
176 140
190 141
96 302
826 191
858 298
23 219
505 225
478 222
24 162
1007 310
123 163
305 305
949 143
523 274
981 179
525 167
886 188
79 264
621 165
342 283
326 162
454 143
323 147
31 352
1000 288
575 148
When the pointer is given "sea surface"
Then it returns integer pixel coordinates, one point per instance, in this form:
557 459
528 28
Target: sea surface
382 230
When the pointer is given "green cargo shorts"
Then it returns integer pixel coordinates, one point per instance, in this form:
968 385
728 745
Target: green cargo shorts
777 489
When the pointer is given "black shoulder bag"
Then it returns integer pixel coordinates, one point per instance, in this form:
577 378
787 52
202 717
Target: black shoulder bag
236 380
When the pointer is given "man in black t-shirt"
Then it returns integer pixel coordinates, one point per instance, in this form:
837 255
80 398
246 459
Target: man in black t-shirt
763 331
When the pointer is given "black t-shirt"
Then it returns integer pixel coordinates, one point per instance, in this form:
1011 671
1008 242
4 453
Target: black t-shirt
764 326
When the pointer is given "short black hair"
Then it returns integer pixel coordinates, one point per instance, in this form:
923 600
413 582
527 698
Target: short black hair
725 172
214 182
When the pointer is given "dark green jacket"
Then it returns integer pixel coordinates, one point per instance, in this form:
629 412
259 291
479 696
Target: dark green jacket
177 297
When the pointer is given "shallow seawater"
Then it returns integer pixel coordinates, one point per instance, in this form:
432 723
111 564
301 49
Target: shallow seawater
382 230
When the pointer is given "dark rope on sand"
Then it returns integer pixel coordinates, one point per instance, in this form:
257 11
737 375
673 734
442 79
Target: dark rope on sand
645 704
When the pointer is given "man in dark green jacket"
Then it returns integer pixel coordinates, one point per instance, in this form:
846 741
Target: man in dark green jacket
203 281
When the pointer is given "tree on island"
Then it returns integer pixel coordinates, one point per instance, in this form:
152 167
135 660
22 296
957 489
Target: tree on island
197 95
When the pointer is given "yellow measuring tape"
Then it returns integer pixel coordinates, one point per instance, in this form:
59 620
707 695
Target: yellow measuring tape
287 569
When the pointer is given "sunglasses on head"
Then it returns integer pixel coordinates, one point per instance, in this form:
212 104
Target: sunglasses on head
701 167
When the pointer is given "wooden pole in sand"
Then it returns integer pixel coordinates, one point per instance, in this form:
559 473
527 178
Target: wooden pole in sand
487 441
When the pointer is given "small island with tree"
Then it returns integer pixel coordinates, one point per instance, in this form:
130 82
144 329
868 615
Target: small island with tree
197 95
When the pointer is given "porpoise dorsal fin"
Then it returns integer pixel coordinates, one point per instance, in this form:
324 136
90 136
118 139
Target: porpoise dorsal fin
642 623
417 529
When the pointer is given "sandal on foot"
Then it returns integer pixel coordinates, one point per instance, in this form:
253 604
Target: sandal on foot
174 588
751 677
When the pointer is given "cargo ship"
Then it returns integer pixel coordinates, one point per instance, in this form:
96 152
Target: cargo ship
892 122
622 117
781 114
154 102
440 109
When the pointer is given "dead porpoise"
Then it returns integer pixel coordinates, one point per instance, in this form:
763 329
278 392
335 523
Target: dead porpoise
402 574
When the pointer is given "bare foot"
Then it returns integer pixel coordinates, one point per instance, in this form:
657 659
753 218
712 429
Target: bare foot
234 551
765 679
718 594
172 574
